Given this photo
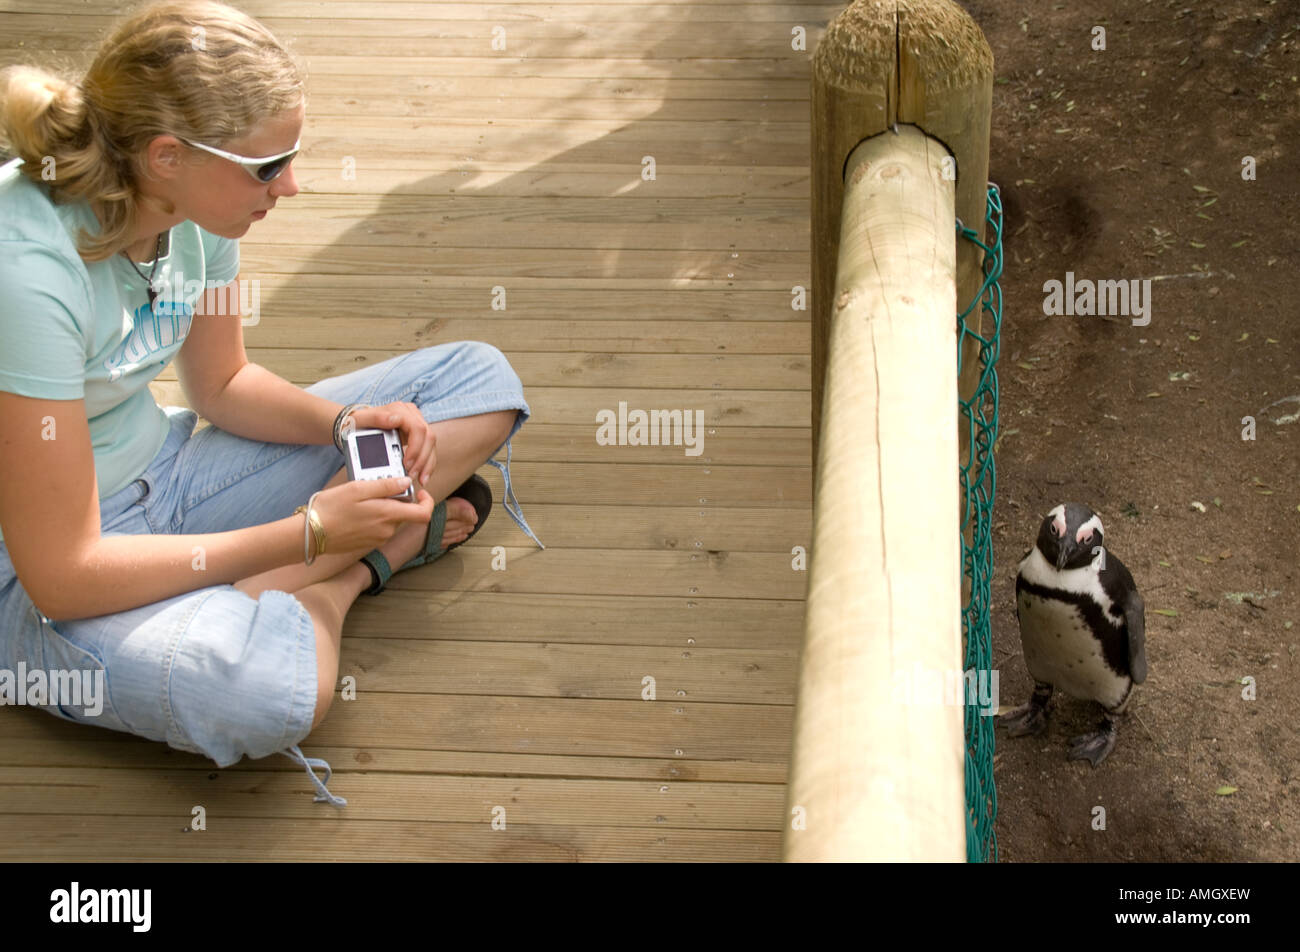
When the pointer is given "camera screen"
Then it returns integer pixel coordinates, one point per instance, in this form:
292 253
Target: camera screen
371 450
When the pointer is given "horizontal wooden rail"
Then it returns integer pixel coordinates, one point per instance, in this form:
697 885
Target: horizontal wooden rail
877 765
901 98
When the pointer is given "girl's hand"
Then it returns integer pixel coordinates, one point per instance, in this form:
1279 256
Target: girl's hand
417 438
359 515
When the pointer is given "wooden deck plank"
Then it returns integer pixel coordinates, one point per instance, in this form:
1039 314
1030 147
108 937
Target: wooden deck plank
168 794
674 372
448 272
592 269
594 32
747 446
703 573
778 408
611 142
702 675
561 726
285 319
601 529
703 269
453 105
683 11
740 446
792 71
760 624
557 726
560 222
364 62
433 297
39 739
77 838
453 614
474 724
558 92
380 175
281 322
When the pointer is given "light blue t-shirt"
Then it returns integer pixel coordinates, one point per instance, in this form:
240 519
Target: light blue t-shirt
72 329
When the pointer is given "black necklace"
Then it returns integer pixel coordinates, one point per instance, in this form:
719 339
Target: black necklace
157 253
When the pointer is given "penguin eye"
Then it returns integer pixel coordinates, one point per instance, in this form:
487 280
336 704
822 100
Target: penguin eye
1087 540
1052 528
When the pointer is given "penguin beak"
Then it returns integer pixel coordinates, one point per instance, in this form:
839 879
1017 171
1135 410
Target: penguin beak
1063 555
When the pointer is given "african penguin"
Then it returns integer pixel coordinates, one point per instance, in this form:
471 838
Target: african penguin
1082 627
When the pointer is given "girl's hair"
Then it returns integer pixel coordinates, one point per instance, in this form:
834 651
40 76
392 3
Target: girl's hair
195 69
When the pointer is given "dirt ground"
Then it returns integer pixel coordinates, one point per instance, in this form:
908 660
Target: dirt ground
1127 163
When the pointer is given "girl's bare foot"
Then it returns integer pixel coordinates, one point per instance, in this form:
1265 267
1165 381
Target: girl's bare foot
408 541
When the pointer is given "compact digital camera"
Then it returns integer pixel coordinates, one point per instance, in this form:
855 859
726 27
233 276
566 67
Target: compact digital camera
376 454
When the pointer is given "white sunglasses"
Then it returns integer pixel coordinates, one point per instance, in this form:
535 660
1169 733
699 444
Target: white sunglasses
264 170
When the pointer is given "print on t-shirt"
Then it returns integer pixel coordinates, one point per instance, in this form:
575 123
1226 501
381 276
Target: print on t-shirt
156 329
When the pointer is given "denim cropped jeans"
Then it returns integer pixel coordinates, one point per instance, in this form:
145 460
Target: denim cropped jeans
214 671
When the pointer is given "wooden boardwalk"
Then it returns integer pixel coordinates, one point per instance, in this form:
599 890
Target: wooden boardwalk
522 690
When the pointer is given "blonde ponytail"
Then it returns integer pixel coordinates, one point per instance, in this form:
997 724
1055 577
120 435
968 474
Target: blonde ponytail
41 110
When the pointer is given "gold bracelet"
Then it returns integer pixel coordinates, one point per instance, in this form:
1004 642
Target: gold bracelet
306 539
317 529
312 527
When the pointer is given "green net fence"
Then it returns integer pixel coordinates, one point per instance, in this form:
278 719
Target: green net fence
979 416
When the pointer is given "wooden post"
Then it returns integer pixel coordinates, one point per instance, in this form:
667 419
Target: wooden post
887 62
877 767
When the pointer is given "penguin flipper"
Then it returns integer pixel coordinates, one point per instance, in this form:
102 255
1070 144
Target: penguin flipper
1135 622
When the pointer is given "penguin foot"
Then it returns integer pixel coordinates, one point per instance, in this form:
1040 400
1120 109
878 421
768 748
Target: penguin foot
1093 747
1028 718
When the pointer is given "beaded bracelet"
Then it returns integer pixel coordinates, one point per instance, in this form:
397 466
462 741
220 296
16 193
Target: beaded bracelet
311 526
338 423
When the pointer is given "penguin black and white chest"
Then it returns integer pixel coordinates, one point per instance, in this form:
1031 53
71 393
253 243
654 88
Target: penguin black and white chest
1082 625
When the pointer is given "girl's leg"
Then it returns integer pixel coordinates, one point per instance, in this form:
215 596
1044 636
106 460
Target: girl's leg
327 602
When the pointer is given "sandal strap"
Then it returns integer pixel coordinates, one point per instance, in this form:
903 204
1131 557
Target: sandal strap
380 571
433 538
